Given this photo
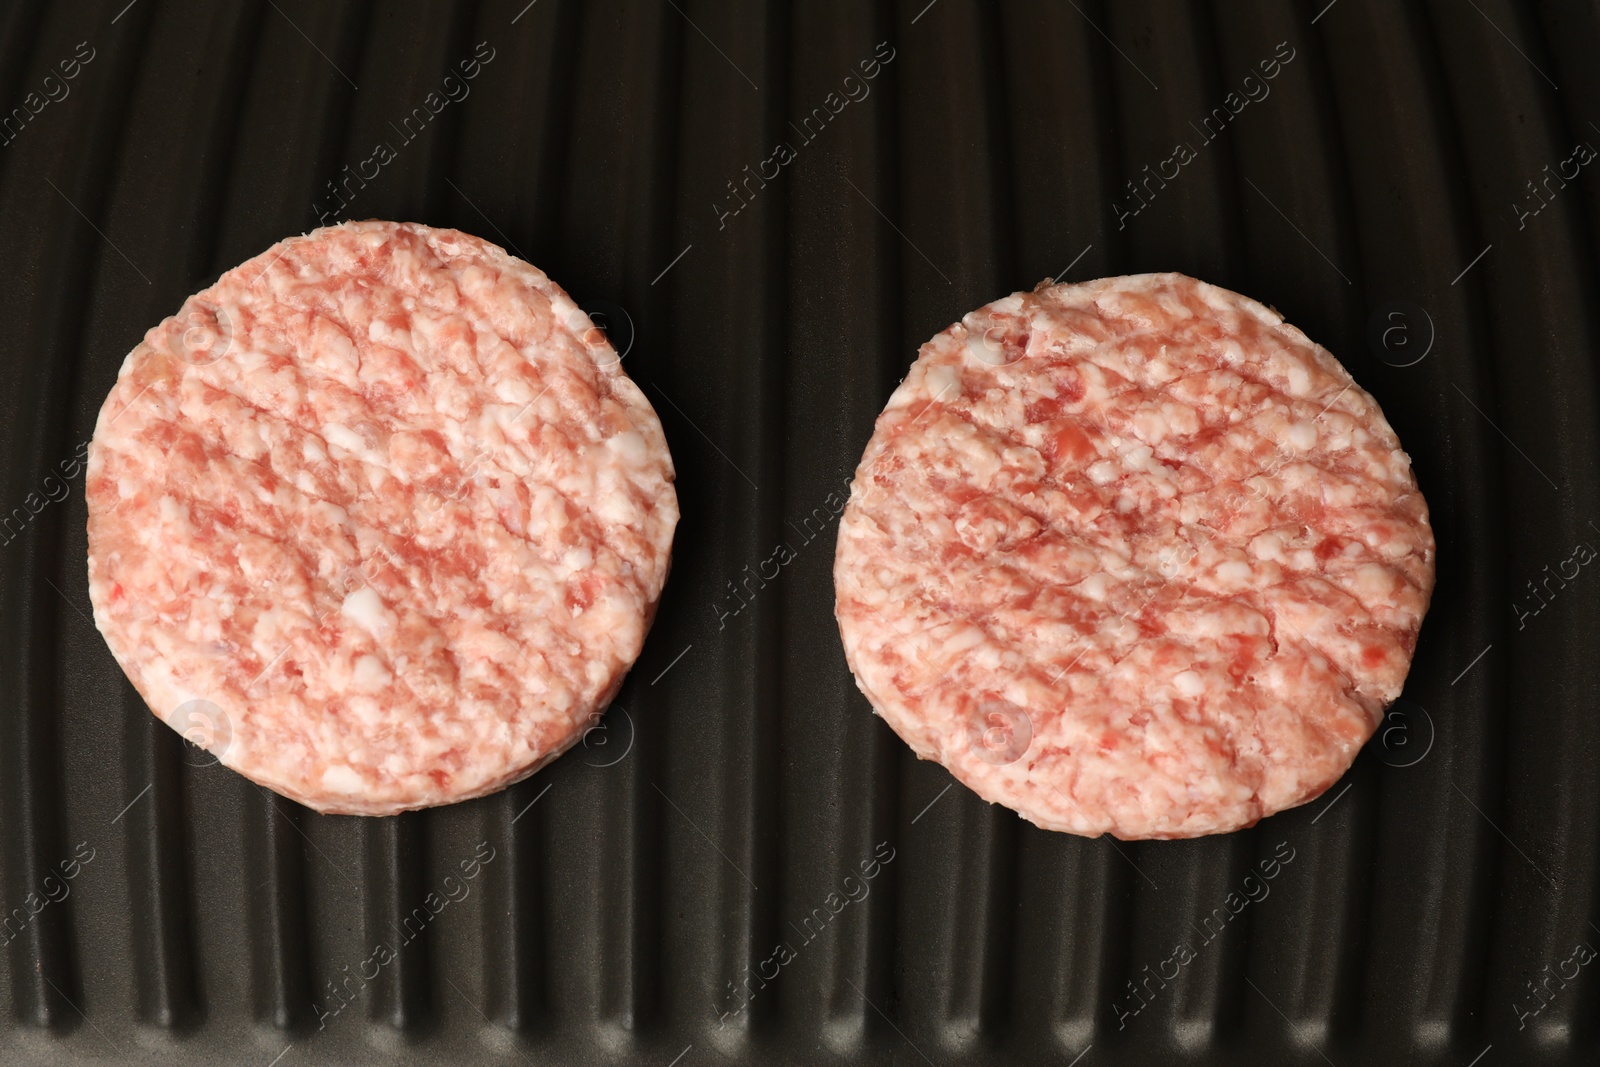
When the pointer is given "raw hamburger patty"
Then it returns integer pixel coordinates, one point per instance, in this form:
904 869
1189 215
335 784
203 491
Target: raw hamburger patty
378 518
1133 556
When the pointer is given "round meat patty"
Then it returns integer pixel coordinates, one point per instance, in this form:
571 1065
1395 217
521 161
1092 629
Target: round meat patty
378 518
1133 556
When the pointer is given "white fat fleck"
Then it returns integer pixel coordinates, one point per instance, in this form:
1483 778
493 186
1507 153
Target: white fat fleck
1151 424
1173 304
1104 472
344 437
175 516
370 673
1233 572
339 778
380 332
1334 494
615 507
1303 435
1299 380
563 310
1374 579
984 348
962 641
365 608
1093 587
1180 418
1189 683
942 382
1095 389
1267 546
1224 303
629 447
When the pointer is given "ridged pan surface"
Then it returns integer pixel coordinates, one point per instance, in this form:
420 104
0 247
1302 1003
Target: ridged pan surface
1412 185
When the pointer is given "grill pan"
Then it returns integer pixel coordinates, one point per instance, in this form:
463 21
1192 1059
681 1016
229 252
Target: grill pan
1405 189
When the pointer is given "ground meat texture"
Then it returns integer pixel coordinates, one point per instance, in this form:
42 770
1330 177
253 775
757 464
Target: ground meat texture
1133 557
378 518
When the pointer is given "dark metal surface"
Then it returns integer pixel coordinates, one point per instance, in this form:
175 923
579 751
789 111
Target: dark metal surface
1408 187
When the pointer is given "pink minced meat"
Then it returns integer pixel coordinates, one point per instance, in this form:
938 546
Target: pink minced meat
1133 556
378 518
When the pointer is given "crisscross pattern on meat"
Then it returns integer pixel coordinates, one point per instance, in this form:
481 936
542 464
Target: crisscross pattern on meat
1133 556
386 500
